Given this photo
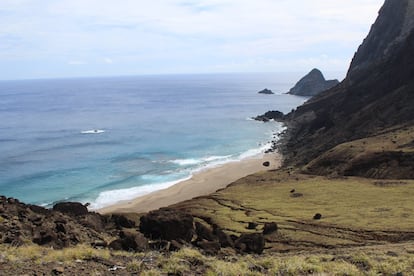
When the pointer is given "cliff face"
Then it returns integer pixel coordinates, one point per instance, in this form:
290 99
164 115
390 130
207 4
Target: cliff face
312 84
377 94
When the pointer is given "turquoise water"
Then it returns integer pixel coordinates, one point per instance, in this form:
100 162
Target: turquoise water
101 140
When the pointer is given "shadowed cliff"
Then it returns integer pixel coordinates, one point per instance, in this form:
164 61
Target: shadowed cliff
376 96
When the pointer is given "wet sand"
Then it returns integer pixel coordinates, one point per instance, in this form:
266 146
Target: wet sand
202 183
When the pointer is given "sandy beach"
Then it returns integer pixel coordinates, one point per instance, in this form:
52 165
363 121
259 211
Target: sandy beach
202 183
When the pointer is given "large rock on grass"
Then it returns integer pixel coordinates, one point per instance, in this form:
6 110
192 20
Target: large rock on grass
167 224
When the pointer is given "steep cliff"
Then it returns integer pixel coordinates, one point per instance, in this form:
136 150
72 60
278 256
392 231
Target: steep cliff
312 84
376 95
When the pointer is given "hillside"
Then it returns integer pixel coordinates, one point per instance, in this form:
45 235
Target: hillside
376 95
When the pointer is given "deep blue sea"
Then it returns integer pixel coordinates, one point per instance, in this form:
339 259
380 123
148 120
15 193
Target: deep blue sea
101 140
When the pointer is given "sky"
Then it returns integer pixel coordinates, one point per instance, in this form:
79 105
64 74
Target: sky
80 38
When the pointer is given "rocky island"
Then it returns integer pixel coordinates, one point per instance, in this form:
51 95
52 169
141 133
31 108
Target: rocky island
312 84
266 91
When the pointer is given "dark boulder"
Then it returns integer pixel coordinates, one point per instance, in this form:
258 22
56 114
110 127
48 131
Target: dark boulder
209 247
71 208
167 224
269 227
224 239
130 241
266 164
250 243
122 221
317 216
42 236
251 225
203 232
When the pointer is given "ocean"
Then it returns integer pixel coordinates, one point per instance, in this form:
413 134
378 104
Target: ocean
101 140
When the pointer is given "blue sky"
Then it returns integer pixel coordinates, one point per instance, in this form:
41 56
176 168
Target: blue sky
75 38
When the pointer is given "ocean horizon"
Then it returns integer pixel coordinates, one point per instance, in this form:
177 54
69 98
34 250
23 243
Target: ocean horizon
102 140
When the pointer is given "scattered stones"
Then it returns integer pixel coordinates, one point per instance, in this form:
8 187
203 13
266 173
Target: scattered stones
269 227
317 216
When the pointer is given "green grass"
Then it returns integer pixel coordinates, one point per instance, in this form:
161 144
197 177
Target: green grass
350 207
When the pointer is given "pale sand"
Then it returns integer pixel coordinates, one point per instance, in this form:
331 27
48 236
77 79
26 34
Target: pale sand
202 183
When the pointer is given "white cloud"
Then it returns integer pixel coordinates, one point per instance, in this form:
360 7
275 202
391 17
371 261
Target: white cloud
200 33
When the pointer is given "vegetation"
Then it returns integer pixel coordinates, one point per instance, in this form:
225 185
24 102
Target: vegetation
385 260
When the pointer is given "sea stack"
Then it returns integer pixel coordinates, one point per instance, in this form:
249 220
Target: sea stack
266 91
312 84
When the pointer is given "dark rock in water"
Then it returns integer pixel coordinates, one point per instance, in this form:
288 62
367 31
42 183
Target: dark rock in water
266 91
266 164
167 224
312 84
292 191
317 216
252 225
250 243
71 208
269 227
270 115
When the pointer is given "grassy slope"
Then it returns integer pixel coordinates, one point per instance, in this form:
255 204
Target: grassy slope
83 260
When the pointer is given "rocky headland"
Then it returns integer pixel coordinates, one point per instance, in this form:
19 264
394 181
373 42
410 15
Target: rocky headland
312 84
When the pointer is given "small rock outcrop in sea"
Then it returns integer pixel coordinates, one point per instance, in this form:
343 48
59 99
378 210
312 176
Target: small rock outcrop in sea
270 115
312 84
266 91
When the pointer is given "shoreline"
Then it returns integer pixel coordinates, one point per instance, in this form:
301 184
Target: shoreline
201 183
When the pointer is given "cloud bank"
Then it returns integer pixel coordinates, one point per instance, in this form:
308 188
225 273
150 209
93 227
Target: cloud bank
62 38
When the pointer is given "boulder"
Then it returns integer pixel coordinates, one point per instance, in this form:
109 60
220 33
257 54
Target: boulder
269 227
250 243
317 216
203 232
122 221
130 241
224 239
251 225
71 208
209 247
167 224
